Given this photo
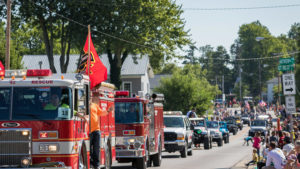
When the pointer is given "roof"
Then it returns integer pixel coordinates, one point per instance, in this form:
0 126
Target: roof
132 65
155 81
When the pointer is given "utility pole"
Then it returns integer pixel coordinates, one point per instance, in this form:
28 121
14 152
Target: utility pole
240 75
259 69
223 84
8 23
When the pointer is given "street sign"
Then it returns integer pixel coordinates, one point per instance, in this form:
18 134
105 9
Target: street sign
287 61
289 87
285 68
290 106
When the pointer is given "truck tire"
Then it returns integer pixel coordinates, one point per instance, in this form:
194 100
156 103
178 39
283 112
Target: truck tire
157 157
227 139
140 163
183 152
234 132
220 142
190 152
206 143
210 143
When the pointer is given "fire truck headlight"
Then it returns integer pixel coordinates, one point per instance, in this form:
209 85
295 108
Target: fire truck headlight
25 133
46 148
137 145
131 141
25 162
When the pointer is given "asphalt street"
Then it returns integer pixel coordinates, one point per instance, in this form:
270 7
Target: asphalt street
215 158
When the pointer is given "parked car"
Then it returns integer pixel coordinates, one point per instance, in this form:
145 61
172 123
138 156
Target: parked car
201 133
214 128
178 135
225 131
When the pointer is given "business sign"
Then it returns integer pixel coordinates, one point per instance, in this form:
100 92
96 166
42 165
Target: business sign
289 87
287 61
290 106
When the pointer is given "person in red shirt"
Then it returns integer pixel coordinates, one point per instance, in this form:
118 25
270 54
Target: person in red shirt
95 136
256 143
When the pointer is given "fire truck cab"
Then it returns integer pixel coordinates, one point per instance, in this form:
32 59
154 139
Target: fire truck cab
139 130
42 122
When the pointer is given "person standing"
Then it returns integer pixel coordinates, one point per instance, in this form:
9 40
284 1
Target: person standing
288 146
95 136
256 143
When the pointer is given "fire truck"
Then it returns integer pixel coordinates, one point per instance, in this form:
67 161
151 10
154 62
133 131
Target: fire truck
44 120
139 129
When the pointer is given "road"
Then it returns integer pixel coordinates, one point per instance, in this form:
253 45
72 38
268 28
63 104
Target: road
215 158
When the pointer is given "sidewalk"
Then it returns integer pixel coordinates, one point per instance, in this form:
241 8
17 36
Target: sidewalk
241 164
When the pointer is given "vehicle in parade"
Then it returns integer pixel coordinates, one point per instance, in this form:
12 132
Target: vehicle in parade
201 133
260 126
225 131
178 133
214 128
246 119
139 129
238 121
232 126
40 121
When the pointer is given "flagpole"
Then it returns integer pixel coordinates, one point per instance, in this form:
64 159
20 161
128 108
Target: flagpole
89 50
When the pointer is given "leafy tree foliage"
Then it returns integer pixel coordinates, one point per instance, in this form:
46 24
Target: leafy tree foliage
187 88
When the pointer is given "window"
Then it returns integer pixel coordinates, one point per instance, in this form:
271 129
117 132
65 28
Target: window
128 86
80 100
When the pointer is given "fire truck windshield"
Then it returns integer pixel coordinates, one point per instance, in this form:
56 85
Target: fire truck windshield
35 103
129 112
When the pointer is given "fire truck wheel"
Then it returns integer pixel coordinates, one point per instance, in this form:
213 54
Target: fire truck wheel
141 163
183 152
107 158
157 157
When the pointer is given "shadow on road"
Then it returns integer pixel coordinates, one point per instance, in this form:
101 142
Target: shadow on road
122 167
170 156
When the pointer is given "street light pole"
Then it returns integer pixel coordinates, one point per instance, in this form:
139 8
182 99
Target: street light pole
259 69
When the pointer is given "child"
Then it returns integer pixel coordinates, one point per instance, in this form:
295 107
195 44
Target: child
254 157
247 139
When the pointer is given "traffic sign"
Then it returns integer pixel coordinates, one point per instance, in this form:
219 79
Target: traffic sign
285 68
289 87
287 61
290 106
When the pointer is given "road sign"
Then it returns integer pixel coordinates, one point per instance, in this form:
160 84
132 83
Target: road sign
287 61
285 68
289 87
290 106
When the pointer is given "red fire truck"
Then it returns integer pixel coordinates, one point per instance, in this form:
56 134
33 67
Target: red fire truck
139 130
42 124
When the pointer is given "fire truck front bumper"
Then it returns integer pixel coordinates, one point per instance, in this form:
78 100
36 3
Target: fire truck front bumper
129 153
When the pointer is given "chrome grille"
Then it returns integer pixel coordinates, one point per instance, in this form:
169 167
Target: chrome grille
14 146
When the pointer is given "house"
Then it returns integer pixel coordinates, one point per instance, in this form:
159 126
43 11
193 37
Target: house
135 72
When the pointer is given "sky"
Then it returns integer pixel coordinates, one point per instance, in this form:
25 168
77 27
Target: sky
221 27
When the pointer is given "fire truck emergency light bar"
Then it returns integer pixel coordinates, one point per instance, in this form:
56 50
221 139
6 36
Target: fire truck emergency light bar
29 73
172 113
122 93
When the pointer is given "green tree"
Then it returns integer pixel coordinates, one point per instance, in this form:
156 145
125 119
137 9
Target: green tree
187 88
246 47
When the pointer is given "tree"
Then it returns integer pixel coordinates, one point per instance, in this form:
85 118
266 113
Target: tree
246 47
187 88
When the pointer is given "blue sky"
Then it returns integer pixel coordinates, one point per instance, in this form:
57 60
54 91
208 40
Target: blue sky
221 27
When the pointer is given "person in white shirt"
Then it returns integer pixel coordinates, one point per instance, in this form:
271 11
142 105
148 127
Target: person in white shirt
275 157
288 146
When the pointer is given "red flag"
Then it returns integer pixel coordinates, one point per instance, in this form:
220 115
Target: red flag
98 72
2 69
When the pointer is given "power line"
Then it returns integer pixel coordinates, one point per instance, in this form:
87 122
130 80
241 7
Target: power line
241 8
